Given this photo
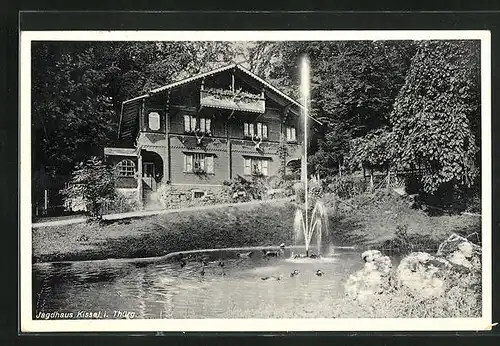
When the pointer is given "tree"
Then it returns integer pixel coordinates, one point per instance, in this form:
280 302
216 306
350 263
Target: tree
94 183
436 116
354 85
78 88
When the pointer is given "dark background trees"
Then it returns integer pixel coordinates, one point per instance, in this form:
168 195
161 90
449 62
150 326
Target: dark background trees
402 103
78 87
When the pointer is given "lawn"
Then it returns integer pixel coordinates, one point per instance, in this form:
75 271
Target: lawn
264 224
371 221
366 221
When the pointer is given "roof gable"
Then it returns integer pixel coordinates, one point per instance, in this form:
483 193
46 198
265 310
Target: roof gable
213 72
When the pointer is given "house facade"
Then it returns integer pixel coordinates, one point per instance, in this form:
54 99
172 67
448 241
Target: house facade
196 133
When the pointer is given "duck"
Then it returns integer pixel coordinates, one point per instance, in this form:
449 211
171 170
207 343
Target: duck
271 253
83 237
277 278
245 254
294 273
319 272
282 245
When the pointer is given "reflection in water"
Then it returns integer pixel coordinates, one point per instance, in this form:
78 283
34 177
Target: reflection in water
164 289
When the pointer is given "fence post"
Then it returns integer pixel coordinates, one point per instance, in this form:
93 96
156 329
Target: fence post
371 180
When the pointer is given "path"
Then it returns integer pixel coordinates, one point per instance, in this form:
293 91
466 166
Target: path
142 213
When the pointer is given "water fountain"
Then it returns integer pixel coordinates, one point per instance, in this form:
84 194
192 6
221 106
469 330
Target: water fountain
304 227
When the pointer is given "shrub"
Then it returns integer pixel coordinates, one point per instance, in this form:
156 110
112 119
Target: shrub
93 182
346 186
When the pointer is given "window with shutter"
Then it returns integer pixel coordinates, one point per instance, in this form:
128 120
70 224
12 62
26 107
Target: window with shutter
248 166
187 123
209 163
291 134
154 121
193 123
188 163
265 167
256 166
264 131
207 125
259 130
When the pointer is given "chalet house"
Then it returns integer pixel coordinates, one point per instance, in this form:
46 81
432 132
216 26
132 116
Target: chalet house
198 132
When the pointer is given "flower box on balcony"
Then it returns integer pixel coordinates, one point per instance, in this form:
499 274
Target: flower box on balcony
233 100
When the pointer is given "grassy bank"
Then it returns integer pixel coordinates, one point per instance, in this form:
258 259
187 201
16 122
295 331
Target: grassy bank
366 221
241 225
377 220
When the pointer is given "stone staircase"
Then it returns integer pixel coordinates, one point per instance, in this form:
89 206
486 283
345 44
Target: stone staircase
151 200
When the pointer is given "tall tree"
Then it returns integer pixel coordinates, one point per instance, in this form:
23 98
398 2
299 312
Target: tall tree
78 87
436 117
354 85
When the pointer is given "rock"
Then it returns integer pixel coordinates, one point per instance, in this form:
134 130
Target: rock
371 255
423 273
373 279
460 251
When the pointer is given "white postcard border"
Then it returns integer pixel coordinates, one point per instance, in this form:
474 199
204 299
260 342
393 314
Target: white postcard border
264 325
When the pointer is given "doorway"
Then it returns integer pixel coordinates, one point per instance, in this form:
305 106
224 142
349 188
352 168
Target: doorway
149 175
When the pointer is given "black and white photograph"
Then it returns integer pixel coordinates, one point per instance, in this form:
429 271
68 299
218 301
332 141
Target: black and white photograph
255 181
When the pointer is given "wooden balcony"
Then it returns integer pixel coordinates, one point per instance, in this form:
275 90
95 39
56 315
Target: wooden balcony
232 100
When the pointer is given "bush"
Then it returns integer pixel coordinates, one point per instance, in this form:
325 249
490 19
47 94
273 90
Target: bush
93 182
346 186
243 189
405 243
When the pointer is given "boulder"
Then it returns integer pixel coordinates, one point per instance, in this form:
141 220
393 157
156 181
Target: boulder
460 251
371 255
423 273
373 279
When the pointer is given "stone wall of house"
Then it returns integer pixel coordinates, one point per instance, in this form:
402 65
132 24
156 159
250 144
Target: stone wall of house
182 196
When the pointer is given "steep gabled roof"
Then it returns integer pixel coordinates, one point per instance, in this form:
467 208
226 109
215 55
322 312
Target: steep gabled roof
201 76
212 72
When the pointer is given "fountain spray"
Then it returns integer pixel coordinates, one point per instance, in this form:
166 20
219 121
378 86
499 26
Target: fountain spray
304 86
318 222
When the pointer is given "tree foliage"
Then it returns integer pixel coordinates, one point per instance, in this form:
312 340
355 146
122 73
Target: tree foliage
93 182
78 87
372 150
354 85
436 117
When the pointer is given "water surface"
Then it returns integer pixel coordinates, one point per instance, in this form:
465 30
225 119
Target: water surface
163 288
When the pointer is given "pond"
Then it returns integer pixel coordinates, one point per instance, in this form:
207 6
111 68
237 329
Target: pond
228 285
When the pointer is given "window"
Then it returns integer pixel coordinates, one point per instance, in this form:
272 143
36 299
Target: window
257 129
191 124
256 166
125 168
154 121
198 194
291 135
198 163
205 125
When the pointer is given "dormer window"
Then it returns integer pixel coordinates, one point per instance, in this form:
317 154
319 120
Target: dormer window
154 121
251 130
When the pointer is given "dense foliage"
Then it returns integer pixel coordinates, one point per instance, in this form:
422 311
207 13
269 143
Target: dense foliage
404 105
436 117
93 182
78 88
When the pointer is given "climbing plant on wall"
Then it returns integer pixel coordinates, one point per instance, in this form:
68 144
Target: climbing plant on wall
436 116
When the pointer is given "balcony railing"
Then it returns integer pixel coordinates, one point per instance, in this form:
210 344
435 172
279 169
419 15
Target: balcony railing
233 100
